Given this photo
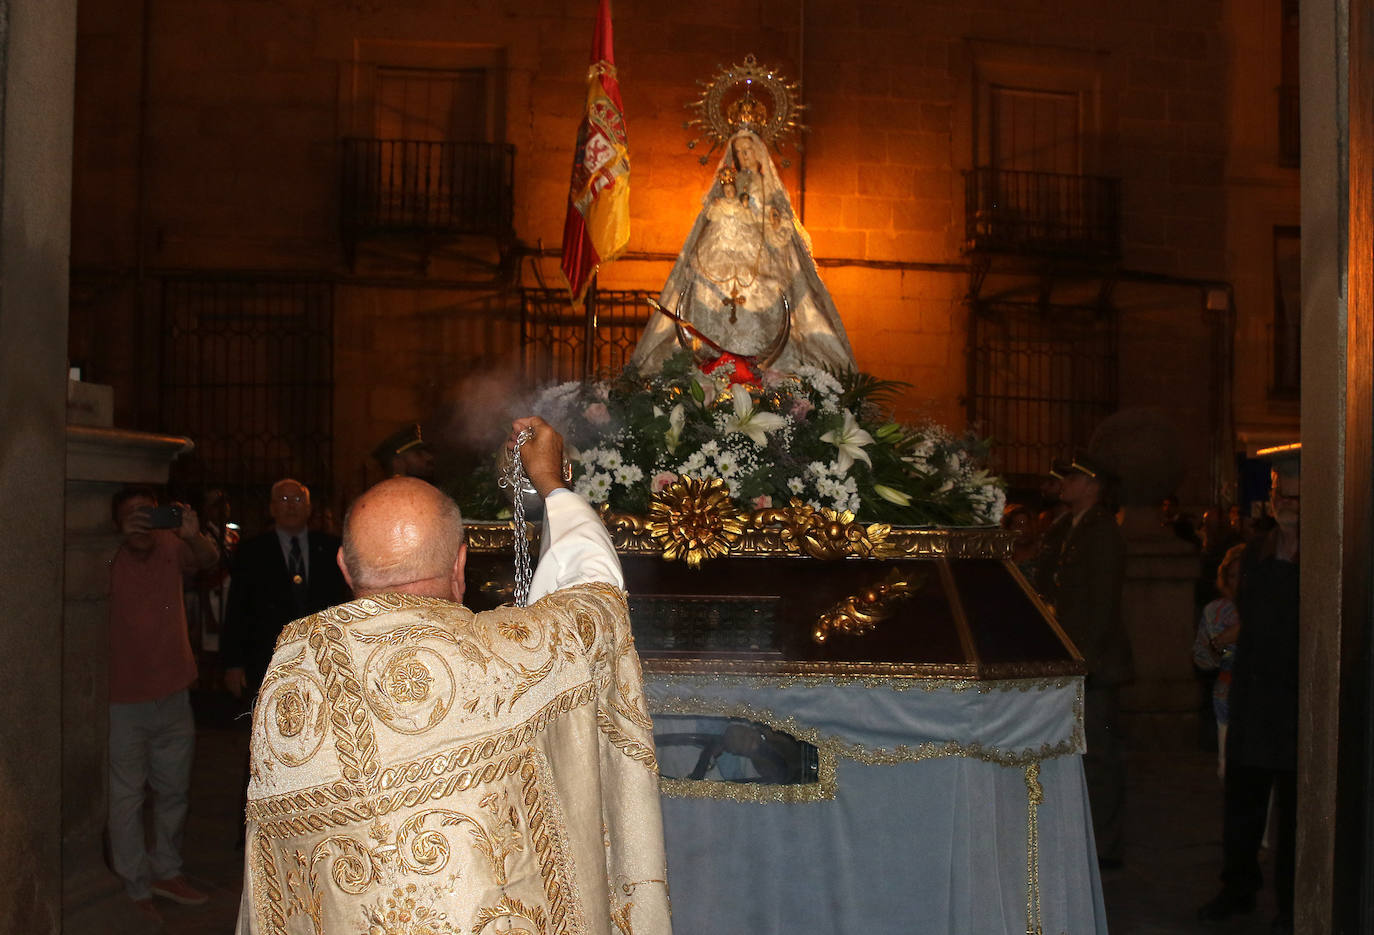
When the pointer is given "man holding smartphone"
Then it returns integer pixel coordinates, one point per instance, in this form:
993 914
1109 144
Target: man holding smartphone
152 732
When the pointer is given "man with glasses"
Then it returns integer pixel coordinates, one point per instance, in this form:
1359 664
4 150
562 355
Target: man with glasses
280 575
285 573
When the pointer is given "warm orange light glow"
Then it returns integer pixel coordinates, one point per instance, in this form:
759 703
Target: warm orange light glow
1278 449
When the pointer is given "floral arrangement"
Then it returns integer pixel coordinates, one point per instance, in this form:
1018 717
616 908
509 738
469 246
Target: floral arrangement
823 439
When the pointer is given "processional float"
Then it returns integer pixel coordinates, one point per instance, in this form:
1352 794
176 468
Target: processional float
866 719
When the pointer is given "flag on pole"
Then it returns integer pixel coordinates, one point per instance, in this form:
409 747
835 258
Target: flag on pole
597 227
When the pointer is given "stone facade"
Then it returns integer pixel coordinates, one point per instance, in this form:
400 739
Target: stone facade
207 140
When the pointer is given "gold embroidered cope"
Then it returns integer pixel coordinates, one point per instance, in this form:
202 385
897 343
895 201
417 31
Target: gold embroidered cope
418 769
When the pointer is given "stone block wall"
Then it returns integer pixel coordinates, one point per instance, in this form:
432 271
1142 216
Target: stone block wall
232 154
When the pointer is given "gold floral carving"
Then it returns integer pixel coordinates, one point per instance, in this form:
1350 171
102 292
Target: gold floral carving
860 613
694 520
794 530
823 533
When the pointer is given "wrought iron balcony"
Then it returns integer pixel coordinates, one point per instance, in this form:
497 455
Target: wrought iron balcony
426 188
1042 213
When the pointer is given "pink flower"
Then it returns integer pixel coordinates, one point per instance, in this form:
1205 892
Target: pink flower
661 480
763 502
774 377
800 407
597 414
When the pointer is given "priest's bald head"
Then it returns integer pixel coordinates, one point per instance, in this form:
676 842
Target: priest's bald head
404 535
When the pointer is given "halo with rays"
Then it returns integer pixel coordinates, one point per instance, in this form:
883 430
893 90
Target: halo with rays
745 96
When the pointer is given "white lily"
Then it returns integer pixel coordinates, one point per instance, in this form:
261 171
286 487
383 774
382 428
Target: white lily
750 420
676 418
849 439
892 494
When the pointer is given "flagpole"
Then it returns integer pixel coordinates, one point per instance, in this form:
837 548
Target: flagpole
589 330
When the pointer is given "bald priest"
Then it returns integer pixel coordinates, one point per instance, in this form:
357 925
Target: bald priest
418 769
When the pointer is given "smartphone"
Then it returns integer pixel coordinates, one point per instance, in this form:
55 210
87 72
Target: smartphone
166 516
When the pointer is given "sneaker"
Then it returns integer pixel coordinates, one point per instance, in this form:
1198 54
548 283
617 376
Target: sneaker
1224 905
146 909
179 891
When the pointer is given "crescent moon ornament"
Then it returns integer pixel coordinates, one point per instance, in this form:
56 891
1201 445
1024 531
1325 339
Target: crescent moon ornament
695 341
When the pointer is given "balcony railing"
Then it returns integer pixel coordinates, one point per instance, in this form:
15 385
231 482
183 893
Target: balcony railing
428 188
1042 213
1290 126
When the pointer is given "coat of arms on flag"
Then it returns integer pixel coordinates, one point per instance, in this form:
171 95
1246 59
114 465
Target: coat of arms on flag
597 228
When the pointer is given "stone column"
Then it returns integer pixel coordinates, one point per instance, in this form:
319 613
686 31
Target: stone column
37 71
1160 707
99 462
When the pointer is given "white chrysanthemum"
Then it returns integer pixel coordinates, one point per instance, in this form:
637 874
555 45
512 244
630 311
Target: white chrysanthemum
693 465
819 381
796 484
595 486
611 460
627 475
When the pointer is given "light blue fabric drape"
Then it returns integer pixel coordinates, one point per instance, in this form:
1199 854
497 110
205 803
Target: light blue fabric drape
927 831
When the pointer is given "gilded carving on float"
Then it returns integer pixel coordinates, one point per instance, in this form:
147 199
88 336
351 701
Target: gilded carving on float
860 613
793 530
824 533
694 520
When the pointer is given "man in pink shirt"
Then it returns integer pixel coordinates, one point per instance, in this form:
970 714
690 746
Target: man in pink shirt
152 733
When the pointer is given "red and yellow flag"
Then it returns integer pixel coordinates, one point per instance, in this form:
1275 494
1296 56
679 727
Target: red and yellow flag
597 228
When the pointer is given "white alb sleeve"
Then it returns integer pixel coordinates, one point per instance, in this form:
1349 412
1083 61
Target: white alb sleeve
576 548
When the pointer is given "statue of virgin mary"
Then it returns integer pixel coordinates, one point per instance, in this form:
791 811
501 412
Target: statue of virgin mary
745 281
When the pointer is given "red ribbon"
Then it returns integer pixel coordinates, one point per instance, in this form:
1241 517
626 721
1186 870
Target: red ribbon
742 369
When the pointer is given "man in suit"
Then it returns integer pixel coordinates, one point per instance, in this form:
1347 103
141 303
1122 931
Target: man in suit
283 574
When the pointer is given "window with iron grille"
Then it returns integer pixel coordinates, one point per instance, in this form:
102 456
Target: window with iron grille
563 343
247 373
1041 379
